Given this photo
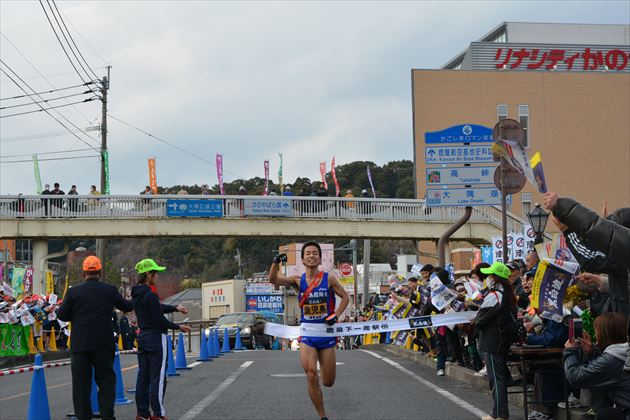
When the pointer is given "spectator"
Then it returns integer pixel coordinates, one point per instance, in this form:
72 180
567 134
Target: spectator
322 191
522 298
124 328
603 372
425 273
447 339
56 191
532 260
349 204
205 190
45 201
73 203
93 191
287 192
182 191
242 190
146 201
495 324
364 194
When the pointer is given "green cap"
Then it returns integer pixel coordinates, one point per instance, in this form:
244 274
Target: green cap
498 269
147 265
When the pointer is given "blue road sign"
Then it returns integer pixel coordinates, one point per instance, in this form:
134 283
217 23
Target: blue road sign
460 175
464 133
272 303
458 154
465 197
194 208
267 207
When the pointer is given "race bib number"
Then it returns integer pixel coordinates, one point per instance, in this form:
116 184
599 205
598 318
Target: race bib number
313 311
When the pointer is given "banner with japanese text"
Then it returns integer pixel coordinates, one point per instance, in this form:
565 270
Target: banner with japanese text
322 171
334 177
50 284
14 340
38 178
28 281
551 281
369 174
152 176
517 157
106 166
17 282
266 165
219 163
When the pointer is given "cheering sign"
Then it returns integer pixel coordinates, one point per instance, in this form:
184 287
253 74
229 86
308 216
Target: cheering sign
550 285
420 322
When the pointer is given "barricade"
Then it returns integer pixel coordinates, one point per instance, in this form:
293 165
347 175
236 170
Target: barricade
180 358
237 341
226 342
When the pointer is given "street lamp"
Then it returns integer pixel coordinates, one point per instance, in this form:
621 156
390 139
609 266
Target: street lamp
538 220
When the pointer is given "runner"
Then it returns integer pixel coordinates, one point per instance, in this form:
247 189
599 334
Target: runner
317 303
152 341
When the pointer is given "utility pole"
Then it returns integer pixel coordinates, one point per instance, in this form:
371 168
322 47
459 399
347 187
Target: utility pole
366 271
353 243
100 243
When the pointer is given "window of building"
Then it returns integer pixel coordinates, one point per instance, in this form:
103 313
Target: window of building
23 250
523 118
502 112
502 37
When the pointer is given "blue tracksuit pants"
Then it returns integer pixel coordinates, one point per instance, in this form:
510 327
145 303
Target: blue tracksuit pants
151 383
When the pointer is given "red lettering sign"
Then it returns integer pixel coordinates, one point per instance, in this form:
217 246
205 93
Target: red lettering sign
534 58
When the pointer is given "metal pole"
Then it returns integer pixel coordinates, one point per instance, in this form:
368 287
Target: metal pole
353 243
504 211
447 234
366 272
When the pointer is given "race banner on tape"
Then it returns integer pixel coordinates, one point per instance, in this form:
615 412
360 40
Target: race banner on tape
368 327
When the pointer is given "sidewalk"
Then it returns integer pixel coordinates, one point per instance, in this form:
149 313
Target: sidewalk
11 362
463 374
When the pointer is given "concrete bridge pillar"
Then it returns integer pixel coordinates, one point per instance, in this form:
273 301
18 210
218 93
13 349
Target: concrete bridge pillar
40 251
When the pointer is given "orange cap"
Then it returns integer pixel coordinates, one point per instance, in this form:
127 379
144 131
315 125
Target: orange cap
92 263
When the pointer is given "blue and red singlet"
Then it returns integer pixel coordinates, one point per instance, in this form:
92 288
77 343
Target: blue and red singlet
318 305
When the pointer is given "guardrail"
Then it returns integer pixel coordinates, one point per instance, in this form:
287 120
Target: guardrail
155 206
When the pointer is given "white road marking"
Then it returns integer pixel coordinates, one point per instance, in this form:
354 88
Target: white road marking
453 398
289 375
193 364
194 412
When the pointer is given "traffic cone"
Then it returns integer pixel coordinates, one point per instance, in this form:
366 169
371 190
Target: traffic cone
180 358
210 346
217 346
38 408
203 347
31 343
120 343
52 341
367 339
170 360
40 345
226 342
120 387
237 342
94 398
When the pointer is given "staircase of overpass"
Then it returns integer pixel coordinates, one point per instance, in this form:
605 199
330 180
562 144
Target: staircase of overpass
94 216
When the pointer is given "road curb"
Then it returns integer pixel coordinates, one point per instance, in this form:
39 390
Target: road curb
29 359
459 373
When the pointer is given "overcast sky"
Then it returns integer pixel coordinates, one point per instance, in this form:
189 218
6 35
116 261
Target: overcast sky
245 79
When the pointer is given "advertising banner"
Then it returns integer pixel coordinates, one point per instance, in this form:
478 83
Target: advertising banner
219 163
322 172
256 288
266 165
334 177
14 340
50 284
17 282
271 303
369 174
152 176
28 281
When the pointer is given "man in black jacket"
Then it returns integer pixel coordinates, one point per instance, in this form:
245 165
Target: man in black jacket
89 307
152 340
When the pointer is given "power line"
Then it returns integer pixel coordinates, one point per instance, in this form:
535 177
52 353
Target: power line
46 109
72 39
49 100
39 105
45 153
172 145
52 86
60 43
43 160
46 92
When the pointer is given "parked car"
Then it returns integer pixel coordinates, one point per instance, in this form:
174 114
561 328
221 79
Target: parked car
251 326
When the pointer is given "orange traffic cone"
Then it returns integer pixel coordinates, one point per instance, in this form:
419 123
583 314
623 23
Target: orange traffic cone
52 341
31 343
120 346
40 344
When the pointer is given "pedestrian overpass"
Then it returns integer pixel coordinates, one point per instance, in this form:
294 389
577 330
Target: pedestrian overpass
40 218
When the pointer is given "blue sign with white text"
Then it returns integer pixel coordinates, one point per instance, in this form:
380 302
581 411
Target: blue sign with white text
464 133
267 207
458 154
194 208
272 303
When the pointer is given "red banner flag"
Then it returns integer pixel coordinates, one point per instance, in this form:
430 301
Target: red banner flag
322 171
334 176
152 176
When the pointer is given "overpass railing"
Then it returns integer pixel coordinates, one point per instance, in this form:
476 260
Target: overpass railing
155 206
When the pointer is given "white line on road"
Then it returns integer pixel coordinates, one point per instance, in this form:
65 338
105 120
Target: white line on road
194 412
453 398
193 364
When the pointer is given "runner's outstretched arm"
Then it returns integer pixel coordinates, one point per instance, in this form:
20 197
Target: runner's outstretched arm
277 279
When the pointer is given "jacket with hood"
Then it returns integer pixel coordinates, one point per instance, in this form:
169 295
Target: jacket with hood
602 374
150 312
494 322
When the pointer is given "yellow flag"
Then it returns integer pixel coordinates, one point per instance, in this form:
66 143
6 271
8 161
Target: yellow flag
50 285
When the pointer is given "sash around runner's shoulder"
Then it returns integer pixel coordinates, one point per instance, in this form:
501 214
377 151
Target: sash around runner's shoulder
368 327
310 288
